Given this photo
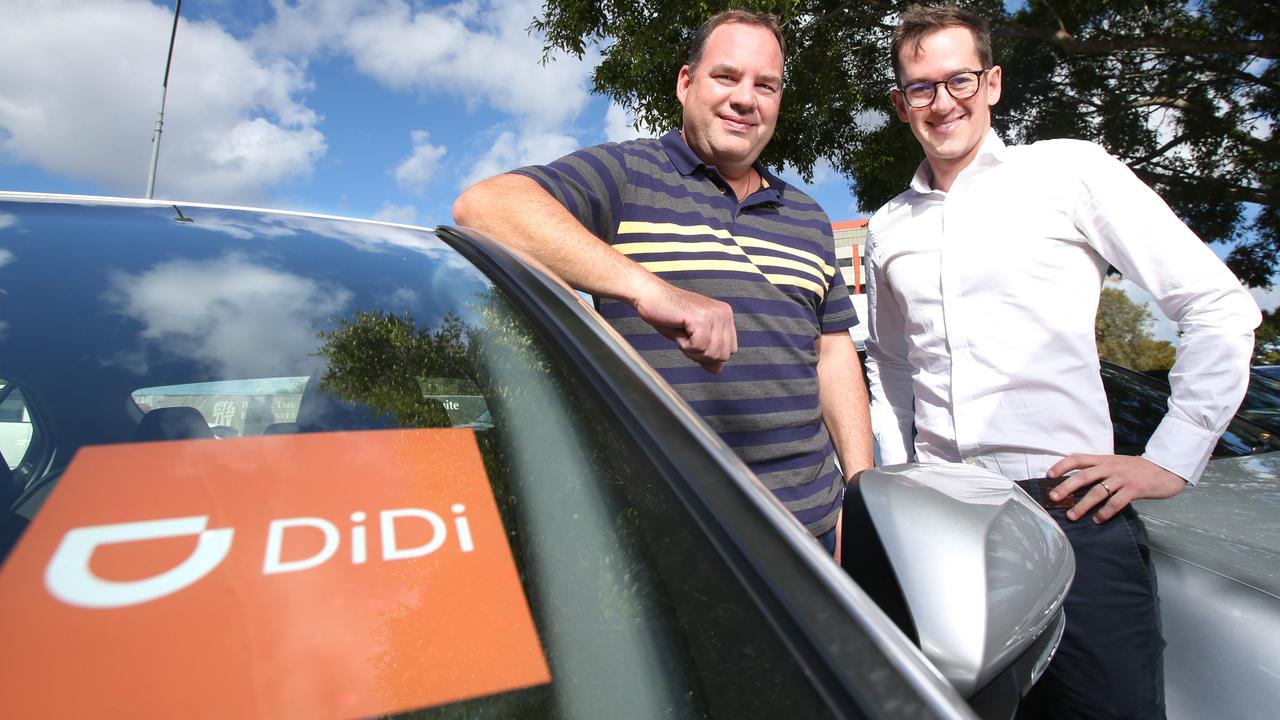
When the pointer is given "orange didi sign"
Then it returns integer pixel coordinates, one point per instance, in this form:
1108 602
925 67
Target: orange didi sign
324 575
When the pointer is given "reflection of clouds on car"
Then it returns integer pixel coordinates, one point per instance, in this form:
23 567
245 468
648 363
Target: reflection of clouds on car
229 313
363 235
360 234
7 220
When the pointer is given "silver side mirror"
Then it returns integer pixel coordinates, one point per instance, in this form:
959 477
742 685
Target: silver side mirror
982 571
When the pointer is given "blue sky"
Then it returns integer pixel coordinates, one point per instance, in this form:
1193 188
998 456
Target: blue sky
369 108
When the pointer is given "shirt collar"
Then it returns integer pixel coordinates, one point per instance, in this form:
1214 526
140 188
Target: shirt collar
991 152
687 162
682 156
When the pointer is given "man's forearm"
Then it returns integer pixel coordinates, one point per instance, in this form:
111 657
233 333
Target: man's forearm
515 211
842 394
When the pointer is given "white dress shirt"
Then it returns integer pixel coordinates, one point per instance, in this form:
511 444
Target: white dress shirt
982 306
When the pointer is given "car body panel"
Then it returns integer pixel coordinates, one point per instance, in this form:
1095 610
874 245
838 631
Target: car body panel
1229 522
1216 550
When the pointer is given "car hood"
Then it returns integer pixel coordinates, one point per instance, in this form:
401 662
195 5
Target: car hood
1228 523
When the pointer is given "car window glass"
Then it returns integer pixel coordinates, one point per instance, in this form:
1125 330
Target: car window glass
231 408
1137 406
19 435
1262 400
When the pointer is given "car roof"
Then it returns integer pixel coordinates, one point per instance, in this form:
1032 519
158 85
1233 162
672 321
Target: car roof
107 200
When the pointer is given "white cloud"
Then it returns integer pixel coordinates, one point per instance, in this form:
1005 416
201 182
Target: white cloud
511 150
235 315
415 171
80 87
619 125
403 214
477 50
7 220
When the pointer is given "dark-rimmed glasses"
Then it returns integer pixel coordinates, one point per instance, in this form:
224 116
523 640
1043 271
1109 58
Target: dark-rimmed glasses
961 86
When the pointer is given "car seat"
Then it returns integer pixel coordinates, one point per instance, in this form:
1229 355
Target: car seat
173 423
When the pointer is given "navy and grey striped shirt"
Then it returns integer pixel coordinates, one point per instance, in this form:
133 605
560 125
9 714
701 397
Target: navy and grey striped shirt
770 257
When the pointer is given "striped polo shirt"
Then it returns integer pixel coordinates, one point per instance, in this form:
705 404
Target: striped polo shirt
770 257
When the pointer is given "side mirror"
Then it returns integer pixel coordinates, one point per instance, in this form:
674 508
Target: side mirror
969 567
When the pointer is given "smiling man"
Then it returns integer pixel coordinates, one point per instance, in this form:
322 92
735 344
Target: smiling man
695 252
983 280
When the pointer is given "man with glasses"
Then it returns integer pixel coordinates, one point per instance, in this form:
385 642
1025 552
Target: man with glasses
984 280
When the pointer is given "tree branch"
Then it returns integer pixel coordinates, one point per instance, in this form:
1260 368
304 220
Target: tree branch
1230 129
1242 193
1234 72
1168 102
1071 45
1134 165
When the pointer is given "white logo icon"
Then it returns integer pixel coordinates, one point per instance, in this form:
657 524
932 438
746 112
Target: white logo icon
69 578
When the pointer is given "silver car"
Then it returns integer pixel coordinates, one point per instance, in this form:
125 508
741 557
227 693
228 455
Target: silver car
278 464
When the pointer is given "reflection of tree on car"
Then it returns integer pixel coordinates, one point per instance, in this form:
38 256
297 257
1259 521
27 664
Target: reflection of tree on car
390 365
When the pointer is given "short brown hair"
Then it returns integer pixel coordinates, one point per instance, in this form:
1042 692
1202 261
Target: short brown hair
767 21
918 22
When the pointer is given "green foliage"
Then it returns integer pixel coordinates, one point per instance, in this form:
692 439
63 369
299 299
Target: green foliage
382 360
1123 332
1184 92
1266 339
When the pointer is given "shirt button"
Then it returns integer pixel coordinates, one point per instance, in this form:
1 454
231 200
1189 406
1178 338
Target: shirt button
970 461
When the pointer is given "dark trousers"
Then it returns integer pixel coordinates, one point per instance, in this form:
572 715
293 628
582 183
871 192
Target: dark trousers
1110 663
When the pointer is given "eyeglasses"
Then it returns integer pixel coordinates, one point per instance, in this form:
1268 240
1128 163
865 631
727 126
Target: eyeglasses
961 86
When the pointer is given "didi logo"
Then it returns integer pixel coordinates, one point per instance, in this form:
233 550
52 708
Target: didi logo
69 576
254 579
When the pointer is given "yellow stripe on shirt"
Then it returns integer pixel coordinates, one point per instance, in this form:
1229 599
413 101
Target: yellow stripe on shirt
661 266
632 227
814 265
677 246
